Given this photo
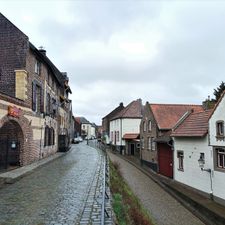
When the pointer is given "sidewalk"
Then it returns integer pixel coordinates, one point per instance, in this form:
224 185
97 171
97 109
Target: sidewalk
12 176
206 209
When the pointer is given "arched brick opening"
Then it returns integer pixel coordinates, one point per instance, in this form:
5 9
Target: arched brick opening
12 141
16 135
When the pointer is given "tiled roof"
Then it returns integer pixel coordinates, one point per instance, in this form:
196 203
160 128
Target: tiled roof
115 111
133 110
167 115
81 120
195 125
130 136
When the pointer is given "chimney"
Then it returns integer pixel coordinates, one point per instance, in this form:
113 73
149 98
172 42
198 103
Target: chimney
42 50
121 104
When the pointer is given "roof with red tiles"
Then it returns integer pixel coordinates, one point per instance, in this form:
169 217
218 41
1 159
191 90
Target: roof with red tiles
195 125
167 115
81 120
133 110
130 136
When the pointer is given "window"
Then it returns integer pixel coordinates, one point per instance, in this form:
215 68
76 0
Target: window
149 143
149 125
49 138
46 139
220 158
180 156
37 67
144 126
111 136
117 136
37 98
48 104
153 143
220 128
142 143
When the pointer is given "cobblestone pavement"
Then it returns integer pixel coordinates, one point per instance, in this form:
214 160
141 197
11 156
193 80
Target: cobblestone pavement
93 207
54 194
162 207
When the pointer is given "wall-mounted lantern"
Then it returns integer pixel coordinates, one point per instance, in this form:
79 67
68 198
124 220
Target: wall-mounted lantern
201 162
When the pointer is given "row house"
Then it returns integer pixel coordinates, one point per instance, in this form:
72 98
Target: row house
84 129
34 106
155 129
199 151
124 128
106 123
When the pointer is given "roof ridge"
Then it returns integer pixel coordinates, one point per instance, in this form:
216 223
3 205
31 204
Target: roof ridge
176 104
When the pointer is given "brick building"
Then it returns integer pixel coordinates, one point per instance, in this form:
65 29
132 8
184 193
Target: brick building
155 129
34 106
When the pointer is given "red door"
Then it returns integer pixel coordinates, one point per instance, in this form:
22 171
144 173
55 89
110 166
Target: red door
165 157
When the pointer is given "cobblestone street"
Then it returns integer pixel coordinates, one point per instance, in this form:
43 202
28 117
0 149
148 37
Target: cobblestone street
54 194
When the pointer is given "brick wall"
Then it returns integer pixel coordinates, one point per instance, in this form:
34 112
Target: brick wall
148 155
13 46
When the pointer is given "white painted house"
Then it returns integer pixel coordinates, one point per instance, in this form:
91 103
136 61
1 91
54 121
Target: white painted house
217 144
190 143
125 122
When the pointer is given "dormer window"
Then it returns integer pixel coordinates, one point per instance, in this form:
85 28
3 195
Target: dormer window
37 67
220 128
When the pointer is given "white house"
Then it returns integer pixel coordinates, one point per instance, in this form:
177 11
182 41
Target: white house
191 143
217 144
127 121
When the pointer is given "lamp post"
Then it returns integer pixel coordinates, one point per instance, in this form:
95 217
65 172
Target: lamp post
201 162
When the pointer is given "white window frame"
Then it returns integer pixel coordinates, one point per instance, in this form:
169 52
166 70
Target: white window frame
220 128
220 153
180 157
37 67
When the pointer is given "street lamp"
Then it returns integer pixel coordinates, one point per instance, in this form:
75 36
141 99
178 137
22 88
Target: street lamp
201 162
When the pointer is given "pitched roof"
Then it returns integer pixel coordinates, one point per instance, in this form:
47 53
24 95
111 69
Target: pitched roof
133 110
195 125
218 102
81 120
130 136
115 111
167 115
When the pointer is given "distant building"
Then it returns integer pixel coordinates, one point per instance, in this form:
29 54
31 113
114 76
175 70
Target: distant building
125 127
106 122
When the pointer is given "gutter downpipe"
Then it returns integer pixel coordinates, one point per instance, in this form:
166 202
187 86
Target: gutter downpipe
121 136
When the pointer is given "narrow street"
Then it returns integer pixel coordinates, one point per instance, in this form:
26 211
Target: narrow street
162 207
53 194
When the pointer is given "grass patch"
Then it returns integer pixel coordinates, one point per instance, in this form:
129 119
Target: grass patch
127 207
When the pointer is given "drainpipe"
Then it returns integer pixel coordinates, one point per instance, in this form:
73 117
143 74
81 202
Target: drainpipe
121 135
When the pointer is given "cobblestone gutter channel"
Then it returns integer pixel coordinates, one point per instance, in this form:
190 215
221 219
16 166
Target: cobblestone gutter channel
92 210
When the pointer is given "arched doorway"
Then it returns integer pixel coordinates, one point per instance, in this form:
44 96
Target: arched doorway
11 142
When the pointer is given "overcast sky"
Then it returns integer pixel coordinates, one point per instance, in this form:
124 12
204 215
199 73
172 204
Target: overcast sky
119 50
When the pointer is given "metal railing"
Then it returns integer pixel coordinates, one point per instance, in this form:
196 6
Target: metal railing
105 183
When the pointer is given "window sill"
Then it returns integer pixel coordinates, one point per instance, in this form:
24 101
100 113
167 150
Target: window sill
220 138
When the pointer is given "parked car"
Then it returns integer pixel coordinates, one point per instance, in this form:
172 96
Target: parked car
76 140
80 139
